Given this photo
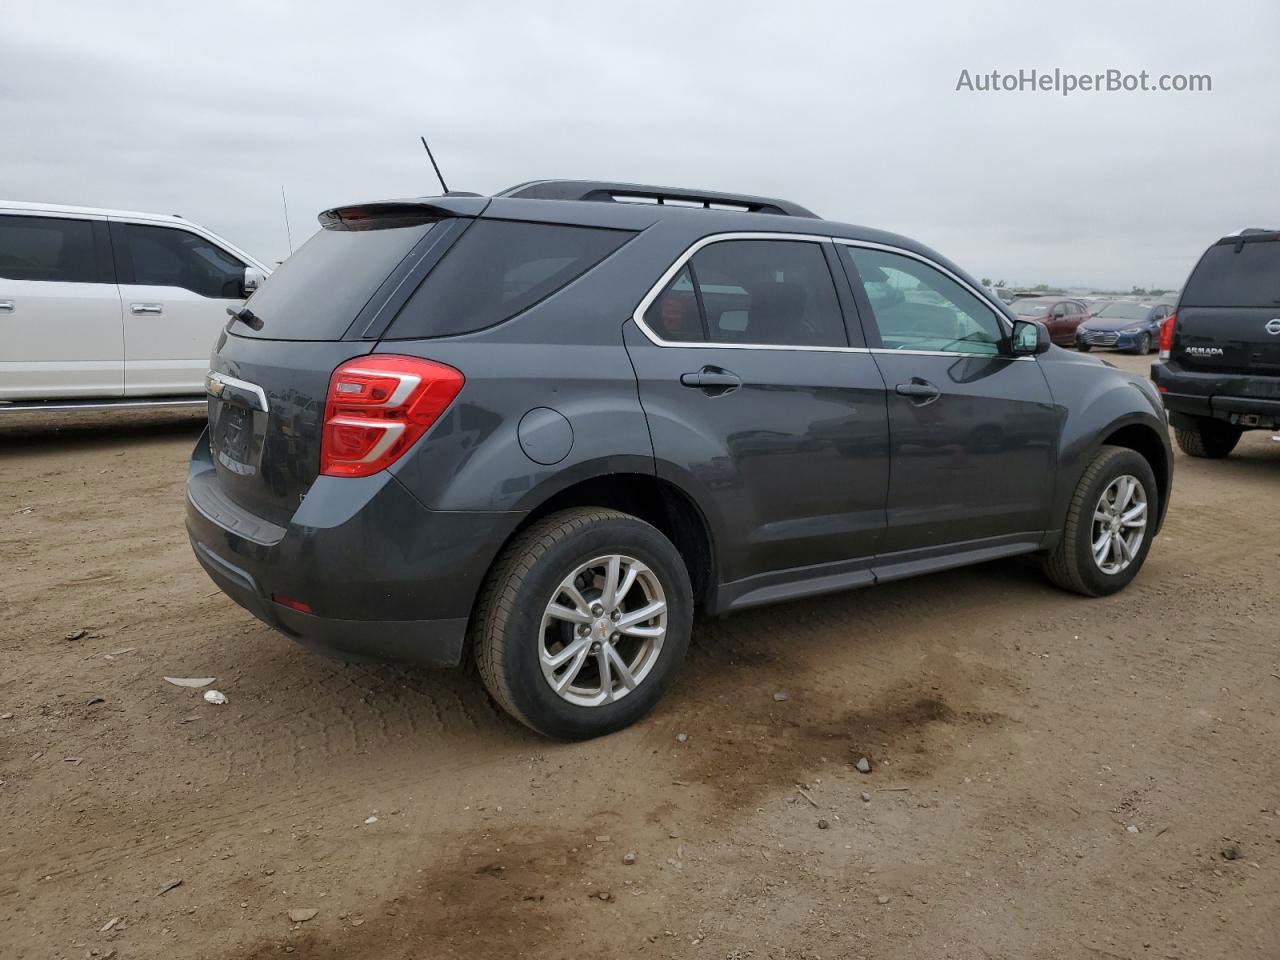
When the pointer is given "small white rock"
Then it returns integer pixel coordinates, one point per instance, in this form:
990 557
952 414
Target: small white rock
215 696
369 820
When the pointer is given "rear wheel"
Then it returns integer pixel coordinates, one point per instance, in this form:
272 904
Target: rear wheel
583 622
1109 525
1208 438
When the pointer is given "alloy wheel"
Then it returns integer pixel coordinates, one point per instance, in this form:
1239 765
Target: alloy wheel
1119 524
602 630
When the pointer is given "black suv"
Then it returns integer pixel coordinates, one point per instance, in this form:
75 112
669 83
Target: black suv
540 429
1220 350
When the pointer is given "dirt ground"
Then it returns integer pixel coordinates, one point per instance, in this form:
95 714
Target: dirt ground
1052 776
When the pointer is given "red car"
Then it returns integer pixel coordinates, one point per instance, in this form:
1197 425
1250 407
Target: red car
1060 314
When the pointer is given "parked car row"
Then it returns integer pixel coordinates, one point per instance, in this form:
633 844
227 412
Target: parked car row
1129 325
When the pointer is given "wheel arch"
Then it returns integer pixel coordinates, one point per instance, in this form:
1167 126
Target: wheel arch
1144 440
654 500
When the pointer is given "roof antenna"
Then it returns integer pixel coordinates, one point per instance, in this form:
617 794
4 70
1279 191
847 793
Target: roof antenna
288 232
434 166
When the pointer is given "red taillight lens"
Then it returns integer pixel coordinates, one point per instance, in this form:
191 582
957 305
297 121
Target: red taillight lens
1166 335
291 603
377 408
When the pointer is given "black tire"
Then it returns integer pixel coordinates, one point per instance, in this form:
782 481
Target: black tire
1211 439
507 623
1071 564
1083 347
1144 345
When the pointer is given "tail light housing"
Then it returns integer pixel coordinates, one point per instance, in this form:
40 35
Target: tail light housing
1166 335
377 408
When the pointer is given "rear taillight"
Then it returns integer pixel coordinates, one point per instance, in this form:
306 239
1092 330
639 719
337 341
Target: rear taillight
1166 335
377 408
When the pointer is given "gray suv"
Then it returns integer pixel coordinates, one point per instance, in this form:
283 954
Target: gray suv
542 429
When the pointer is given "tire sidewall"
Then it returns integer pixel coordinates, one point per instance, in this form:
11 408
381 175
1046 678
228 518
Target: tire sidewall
1118 464
541 707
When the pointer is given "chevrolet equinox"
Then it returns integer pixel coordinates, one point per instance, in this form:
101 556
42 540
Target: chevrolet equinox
540 429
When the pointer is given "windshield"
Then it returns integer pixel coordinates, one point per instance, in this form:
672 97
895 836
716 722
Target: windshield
1030 308
1124 311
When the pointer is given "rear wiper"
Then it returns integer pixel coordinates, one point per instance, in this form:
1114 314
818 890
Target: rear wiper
246 316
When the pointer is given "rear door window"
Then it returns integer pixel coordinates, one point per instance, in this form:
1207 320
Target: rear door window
173 257
769 292
497 269
759 292
1237 274
51 249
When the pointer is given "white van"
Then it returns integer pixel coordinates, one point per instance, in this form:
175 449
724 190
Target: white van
111 305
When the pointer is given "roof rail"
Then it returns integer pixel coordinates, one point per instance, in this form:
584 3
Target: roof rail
646 193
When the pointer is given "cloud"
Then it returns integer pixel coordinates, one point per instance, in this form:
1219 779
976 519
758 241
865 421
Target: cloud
848 108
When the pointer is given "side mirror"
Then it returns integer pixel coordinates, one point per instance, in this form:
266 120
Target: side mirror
1030 338
253 278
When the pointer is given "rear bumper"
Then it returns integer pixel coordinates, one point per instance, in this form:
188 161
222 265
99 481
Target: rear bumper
386 578
1248 402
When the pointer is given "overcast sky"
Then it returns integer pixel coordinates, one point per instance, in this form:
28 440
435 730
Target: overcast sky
850 108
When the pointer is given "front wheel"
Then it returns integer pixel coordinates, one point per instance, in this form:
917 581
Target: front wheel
1143 346
583 622
1109 525
1083 347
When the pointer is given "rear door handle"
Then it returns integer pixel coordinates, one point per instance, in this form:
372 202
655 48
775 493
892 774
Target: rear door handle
145 308
712 379
920 391
6 306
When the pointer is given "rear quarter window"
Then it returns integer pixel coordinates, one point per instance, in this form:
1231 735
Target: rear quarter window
497 269
1240 274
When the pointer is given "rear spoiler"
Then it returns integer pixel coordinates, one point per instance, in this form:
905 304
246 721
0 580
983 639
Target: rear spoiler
385 214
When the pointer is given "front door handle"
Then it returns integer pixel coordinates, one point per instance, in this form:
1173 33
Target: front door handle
6 306
920 391
138 309
712 379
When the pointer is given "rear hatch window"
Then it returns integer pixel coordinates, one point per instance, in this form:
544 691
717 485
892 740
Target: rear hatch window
497 269
1245 273
319 291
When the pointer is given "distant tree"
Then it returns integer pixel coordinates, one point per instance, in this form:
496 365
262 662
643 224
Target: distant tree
986 281
1041 287
1138 292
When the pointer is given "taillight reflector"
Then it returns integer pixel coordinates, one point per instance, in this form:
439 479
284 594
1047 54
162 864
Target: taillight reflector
377 408
291 603
1166 335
